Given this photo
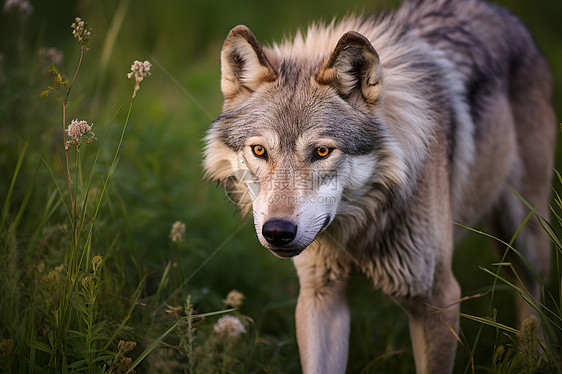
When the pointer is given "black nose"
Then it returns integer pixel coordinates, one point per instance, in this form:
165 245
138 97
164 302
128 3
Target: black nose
279 232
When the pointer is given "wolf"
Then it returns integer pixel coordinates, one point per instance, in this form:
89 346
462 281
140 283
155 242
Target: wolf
358 144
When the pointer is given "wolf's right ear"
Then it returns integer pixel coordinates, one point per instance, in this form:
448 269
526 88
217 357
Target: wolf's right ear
353 69
244 65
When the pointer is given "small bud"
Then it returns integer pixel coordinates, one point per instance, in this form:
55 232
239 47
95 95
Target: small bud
96 262
86 281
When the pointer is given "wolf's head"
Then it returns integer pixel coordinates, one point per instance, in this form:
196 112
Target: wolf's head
299 139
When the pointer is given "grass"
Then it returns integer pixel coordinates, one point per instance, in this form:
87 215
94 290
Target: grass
90 280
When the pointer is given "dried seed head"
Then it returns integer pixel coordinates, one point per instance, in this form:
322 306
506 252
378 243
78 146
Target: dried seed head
234 299
178 232
124 364
126 347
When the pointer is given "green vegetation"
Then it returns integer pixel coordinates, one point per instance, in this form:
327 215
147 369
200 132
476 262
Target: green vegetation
94 275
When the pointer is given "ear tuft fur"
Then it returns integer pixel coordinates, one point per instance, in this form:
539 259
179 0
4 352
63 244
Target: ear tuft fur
353 69
244 65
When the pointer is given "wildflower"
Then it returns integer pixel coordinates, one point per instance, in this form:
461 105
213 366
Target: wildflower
76 130
234 299
96 263
126 347
81 32
6 347
178 232
139 70
229 326
23 7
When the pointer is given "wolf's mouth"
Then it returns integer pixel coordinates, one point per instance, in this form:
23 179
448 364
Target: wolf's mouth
286 252
327 221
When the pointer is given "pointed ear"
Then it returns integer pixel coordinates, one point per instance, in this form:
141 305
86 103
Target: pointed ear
244 65
353 69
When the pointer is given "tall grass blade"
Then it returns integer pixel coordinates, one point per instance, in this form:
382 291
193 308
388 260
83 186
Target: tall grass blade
132 304
8 199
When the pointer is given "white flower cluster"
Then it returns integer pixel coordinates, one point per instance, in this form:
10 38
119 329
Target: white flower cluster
177 232
80 31
23 7
229 327
139 70
76 130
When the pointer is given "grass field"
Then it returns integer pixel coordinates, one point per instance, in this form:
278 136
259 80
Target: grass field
86 271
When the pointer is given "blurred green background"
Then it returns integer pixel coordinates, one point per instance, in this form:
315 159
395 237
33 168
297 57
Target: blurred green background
158 179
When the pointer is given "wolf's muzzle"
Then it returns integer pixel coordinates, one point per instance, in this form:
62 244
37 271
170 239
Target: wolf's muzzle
279 232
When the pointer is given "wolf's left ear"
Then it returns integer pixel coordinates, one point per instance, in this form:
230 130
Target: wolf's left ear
353 69
244 65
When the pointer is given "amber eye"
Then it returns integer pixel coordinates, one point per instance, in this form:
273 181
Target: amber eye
322 151
259 151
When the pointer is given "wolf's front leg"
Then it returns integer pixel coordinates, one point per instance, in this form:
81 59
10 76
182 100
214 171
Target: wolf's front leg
322 317
433 324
